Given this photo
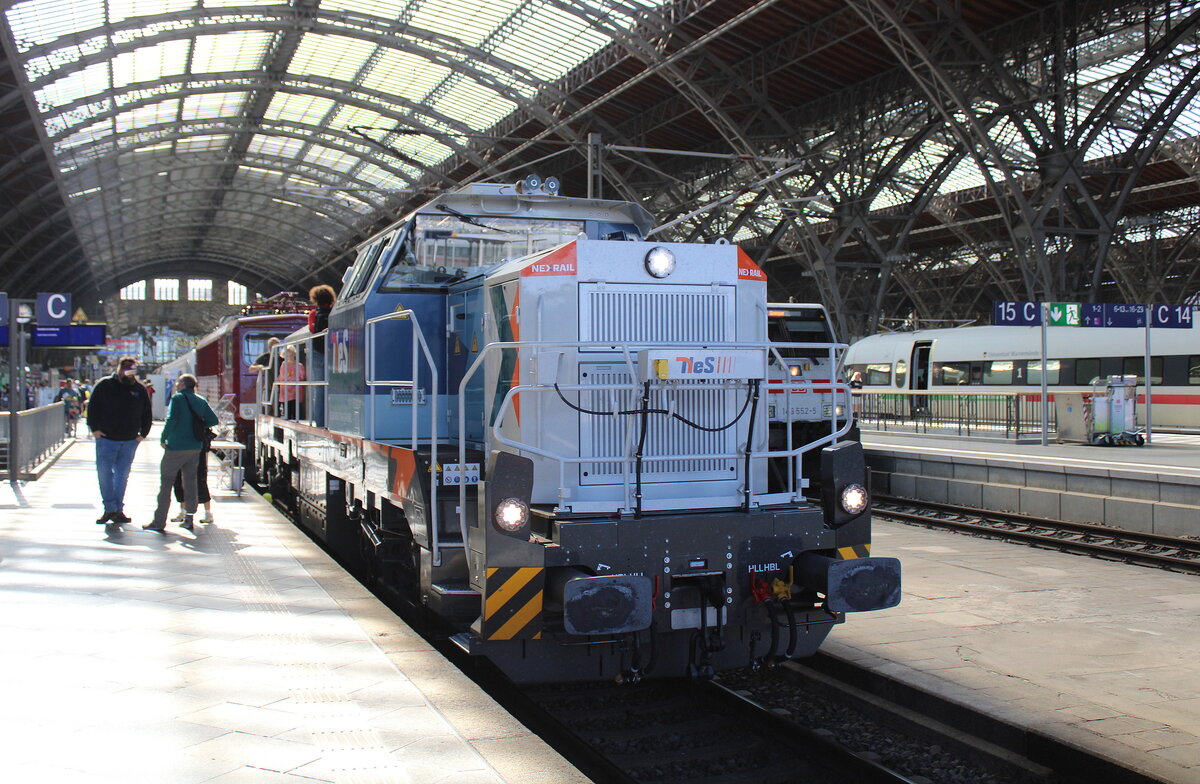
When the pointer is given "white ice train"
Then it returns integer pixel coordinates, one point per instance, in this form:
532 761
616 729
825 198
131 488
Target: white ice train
1008 359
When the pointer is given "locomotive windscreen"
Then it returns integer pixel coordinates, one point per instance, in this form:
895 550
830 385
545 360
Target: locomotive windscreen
802 325
445 247
255 343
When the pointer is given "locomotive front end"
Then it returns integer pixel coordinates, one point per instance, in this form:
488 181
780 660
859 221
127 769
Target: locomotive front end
629 522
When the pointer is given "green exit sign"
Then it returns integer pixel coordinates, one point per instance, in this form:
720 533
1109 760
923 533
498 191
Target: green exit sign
1064 314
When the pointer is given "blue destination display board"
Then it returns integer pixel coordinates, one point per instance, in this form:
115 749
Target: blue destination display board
66 336
1124 316
1093 314
90 335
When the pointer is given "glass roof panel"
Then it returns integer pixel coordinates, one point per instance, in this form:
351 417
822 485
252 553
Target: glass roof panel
212 105
551 42
154 114
404 74
380 178
388 9
470 24
301 109
218 141
348 116
280 146
120 10
331 159
149 63
39 22
72 87
234 3
473 105
330 56
236 50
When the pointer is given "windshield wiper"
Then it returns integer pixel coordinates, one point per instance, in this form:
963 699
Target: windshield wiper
469 219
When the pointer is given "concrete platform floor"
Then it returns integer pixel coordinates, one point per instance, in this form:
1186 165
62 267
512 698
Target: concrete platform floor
237 655
1098 655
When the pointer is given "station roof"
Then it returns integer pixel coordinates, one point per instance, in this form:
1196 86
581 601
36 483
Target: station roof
261 140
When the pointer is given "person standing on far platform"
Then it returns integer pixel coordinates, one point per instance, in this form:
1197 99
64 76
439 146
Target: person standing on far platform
119 417
187 413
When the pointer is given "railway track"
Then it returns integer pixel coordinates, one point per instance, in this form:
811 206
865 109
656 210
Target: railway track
1163 552
695 732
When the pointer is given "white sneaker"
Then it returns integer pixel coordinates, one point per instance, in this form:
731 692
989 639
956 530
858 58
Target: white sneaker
178 518
208 518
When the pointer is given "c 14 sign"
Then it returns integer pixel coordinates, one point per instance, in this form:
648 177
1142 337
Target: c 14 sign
1171 316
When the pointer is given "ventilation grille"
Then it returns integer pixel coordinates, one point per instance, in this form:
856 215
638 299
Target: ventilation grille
682 315
702 402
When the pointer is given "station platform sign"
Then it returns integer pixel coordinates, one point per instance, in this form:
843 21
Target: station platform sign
66 336
1093 314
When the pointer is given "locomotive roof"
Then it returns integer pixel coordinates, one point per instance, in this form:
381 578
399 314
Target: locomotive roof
506 200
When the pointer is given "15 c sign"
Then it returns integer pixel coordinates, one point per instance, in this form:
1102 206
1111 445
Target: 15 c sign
1017 314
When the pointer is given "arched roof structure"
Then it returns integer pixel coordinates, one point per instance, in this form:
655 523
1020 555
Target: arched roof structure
898 159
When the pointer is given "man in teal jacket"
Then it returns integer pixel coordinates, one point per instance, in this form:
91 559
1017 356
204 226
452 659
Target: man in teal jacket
187 413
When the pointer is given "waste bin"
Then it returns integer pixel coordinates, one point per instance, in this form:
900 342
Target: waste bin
1114 412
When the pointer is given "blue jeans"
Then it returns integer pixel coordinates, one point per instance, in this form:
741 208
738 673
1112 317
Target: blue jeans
113 459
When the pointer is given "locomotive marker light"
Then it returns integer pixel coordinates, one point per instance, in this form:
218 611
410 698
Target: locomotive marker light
508 486
843 468
854 498
660 262
511 515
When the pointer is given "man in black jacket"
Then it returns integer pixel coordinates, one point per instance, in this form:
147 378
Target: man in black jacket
119 417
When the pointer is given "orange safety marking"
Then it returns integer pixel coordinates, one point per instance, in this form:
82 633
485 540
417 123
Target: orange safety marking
518 621
500 597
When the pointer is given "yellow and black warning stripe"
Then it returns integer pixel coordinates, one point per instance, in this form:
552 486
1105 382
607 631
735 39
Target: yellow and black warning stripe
512 604
854 551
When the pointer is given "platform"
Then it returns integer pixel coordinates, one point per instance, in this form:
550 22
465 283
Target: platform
238 655
1152 489
1097 655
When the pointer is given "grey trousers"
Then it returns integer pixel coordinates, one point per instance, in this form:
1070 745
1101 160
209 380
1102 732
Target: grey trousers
176 461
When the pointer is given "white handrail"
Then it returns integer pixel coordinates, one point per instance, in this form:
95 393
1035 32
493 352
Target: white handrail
627 350
418 340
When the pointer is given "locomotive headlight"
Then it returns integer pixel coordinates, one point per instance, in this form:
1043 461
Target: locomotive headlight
660 262
511 514
854 498
794 370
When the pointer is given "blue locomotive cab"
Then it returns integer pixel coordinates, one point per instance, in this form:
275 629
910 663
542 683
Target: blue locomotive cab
409 319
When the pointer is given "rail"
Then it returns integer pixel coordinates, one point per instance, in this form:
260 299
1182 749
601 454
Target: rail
627 462
40 431
1009 415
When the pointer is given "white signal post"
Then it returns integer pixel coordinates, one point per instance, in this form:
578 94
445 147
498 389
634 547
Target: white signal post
1148 372
1045 373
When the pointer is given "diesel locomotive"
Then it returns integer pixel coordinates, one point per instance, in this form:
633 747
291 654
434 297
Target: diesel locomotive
554 436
